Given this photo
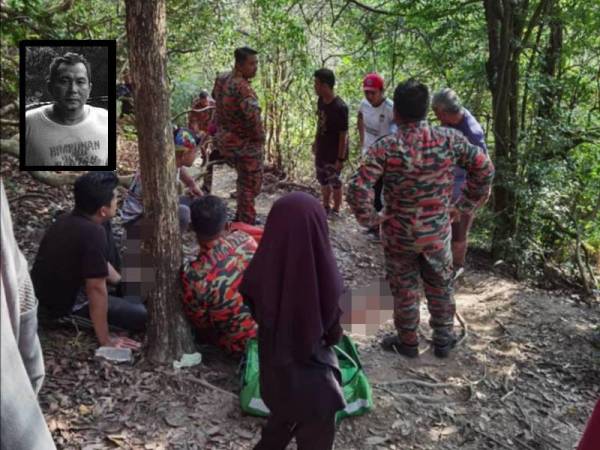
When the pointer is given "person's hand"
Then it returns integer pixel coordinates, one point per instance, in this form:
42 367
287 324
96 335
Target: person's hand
122 342
454 214
195 191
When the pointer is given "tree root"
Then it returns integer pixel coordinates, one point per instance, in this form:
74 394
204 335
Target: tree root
211 386
418 383
41 195
465 328
432 385
413 397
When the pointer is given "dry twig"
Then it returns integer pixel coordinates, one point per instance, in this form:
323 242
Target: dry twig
211 386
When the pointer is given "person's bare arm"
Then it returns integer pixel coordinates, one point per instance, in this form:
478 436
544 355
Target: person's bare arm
114 277
361 129
187 179
95 289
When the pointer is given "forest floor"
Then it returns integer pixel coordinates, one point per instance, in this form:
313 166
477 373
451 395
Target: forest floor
526 376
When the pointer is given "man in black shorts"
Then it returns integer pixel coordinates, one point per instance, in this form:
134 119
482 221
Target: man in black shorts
331 141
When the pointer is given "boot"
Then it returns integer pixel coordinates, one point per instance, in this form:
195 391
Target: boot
393 343
442 350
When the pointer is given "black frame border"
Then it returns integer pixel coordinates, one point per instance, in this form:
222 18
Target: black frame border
112 100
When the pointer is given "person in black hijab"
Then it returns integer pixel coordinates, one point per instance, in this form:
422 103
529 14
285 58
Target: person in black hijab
292 287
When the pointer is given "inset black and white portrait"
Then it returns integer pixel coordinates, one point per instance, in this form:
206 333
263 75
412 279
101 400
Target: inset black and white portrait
68 105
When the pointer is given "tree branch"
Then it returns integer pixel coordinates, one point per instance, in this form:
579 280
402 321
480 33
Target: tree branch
542 5
373 10
62 7
8 108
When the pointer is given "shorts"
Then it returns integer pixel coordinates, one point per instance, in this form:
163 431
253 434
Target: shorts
327 175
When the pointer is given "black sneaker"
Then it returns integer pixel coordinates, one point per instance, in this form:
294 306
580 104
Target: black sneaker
442 351
393 344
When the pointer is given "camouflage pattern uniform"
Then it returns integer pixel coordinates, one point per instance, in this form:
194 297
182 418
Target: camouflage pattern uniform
240 138
417 165
198 121
210 291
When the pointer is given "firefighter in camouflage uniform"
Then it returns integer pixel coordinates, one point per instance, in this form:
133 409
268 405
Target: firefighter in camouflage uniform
211 299
417 166
240 135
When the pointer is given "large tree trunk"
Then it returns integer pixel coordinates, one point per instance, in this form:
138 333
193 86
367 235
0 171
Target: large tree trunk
503 78
547 107
168 333
507 36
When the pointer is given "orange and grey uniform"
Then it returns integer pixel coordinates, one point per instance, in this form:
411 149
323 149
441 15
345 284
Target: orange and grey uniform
240 138
211 299
417 166
198 121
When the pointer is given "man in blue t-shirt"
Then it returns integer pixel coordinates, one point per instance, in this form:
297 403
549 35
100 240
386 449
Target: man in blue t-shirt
448 109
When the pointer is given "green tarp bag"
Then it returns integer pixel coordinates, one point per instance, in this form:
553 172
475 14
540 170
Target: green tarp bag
356 388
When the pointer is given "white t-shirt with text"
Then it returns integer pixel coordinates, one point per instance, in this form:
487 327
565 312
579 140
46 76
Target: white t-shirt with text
377 121
51 144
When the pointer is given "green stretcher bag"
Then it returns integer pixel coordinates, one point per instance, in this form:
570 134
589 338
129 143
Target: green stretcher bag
356 388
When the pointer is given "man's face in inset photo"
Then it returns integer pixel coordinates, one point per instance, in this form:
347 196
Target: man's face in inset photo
71 86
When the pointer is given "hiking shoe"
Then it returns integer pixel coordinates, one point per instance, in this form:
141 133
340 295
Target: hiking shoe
393 344
442 351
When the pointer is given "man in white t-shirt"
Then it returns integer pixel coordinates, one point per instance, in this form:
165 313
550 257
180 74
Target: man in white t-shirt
375 120
69 132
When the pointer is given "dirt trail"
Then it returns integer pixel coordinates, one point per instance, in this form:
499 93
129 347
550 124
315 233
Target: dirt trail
525 377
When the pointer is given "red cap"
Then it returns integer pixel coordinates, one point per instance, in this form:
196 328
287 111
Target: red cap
373 82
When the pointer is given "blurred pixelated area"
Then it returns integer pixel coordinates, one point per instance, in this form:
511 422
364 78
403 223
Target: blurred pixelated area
366 309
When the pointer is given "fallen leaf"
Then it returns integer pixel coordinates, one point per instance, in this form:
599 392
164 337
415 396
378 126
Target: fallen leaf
245 434
376 440
84 410
213 430
175 419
